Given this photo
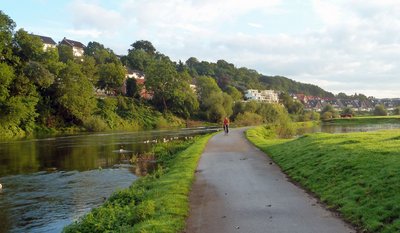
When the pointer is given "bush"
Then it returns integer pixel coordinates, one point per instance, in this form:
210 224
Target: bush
327 116
380 111
248 118
95 124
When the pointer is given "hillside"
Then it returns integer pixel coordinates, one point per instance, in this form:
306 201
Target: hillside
226 74
285 84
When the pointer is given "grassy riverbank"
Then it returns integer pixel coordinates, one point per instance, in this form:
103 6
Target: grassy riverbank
155 203
366 120
356 173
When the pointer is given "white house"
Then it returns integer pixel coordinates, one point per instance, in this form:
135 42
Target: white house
269 96
48 42
77 47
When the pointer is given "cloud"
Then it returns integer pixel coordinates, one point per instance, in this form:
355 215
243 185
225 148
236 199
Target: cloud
355 46
92 16
93 33
255 25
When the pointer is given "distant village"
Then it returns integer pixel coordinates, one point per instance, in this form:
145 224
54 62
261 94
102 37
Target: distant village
311 103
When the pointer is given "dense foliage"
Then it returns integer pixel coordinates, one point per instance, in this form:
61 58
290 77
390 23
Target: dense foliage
287 85
51 90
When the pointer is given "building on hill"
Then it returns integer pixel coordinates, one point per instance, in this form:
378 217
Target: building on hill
269 96
140 80
48 42
313 105
77 47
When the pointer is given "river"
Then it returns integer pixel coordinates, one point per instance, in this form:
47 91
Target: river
336 128
50 182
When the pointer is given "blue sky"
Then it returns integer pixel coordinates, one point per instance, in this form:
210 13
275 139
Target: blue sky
350 46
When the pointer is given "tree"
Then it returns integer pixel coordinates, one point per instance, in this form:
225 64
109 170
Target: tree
342 95
380 110
65 53
101 54
111 76
192 62
171 91
396 111
348 111
234 93
206 86
139 60
132 88
214 104
89 69
7 26
144 45
6 78
39 75
28 47
328 112
293 107
74 94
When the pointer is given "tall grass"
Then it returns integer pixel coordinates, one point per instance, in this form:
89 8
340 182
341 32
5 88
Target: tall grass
156 203
356 173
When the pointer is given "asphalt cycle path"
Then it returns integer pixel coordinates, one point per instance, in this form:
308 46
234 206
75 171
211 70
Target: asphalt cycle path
239 189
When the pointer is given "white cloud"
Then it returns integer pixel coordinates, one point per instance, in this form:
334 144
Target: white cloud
255 25
356 46
92 16
93 33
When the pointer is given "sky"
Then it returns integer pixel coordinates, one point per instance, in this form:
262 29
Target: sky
350 46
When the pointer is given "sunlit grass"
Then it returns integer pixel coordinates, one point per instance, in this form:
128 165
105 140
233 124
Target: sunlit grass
156 203
357 174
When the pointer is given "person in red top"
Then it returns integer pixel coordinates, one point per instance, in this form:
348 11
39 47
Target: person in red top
226 125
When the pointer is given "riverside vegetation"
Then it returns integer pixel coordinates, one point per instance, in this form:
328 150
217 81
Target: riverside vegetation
355 173
51 91
155 203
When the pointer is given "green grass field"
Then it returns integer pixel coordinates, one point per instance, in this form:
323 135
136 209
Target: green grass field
156 203
357 174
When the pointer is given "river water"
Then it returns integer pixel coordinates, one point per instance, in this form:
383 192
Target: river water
330 128
50 182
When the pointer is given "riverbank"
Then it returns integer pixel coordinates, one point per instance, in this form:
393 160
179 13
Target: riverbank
154 203
354 173
365 120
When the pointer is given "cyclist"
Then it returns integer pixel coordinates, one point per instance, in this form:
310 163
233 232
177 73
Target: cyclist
226 125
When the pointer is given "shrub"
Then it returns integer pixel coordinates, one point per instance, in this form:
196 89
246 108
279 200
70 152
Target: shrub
248 118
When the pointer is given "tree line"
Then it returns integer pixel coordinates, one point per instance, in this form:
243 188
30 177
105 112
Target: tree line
43 90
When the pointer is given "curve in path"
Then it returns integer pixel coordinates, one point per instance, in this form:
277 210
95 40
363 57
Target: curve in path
239 189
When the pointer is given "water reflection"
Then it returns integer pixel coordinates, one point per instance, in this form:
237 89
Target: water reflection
49 182
326 128
45 202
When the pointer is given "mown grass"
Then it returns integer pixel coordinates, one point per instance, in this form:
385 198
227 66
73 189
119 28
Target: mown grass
357 174
366 120
156 203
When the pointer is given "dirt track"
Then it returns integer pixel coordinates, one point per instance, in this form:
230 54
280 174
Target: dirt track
239 189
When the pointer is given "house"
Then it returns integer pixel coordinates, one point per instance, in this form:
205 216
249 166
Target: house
77 47
269 96
314 105
139 77
193 87
48 42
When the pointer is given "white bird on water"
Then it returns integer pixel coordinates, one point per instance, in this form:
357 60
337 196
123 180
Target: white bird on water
1 186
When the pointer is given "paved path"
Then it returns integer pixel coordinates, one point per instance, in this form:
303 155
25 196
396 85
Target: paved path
239 189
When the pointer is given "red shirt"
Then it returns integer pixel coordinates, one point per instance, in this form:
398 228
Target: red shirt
226 121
